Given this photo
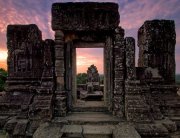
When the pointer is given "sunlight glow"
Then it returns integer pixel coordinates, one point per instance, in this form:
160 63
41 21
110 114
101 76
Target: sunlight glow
85 57
3 55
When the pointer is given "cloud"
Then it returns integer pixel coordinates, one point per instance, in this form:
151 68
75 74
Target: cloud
133 13
25 12
88 56
177 65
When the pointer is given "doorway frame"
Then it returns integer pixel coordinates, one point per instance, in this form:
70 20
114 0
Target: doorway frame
107 96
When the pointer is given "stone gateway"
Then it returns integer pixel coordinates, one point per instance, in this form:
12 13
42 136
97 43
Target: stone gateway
41 84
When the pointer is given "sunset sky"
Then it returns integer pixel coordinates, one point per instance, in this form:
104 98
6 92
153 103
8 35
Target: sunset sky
133 13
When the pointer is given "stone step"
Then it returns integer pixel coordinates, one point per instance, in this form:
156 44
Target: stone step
177 121
89 106
82 118
122 130
87 131
152 130
90 109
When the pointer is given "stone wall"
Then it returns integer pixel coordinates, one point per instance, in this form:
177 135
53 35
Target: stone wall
25 57
130 58
156 41
30 84
119 72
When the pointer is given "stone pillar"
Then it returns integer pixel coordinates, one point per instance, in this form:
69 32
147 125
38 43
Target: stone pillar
119 72
156 41
60 106
130 58
59 60
108 72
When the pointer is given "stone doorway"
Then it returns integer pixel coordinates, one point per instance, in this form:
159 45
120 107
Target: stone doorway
73 98
89 77
92 30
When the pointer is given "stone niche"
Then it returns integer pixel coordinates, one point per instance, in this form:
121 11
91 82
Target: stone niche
87 16
156 41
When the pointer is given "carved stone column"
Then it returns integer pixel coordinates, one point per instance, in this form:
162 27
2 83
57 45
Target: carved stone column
130 58
119 72
60 107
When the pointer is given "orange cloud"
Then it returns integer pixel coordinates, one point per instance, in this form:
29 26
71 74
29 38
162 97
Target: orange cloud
3 65
3 58
88 56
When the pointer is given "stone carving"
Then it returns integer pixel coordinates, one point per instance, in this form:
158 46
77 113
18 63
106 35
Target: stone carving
25 50
25 56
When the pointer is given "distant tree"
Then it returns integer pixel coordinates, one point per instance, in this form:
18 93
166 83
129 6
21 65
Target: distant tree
81 78
101 78
178 78
3 75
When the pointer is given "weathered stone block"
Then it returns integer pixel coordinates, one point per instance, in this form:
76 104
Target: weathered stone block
156 41
20 128
85 16
130 57
125 130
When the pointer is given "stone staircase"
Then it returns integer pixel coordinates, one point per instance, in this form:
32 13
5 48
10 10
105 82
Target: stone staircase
87 131
89 106
87 125
88 119
92 118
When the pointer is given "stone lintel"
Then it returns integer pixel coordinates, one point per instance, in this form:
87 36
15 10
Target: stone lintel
81 16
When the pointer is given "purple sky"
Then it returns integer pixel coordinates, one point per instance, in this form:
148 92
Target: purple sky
133 13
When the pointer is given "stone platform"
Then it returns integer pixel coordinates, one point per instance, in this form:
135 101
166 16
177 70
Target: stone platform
89 106
82 118
93 95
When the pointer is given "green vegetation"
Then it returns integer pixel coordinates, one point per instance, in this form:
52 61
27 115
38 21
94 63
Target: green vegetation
101 78
178 78
81 78
3 75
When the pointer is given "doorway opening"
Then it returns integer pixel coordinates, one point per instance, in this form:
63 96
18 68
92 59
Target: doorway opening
90 77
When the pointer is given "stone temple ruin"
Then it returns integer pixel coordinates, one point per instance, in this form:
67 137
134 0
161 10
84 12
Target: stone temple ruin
41 79
92 89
